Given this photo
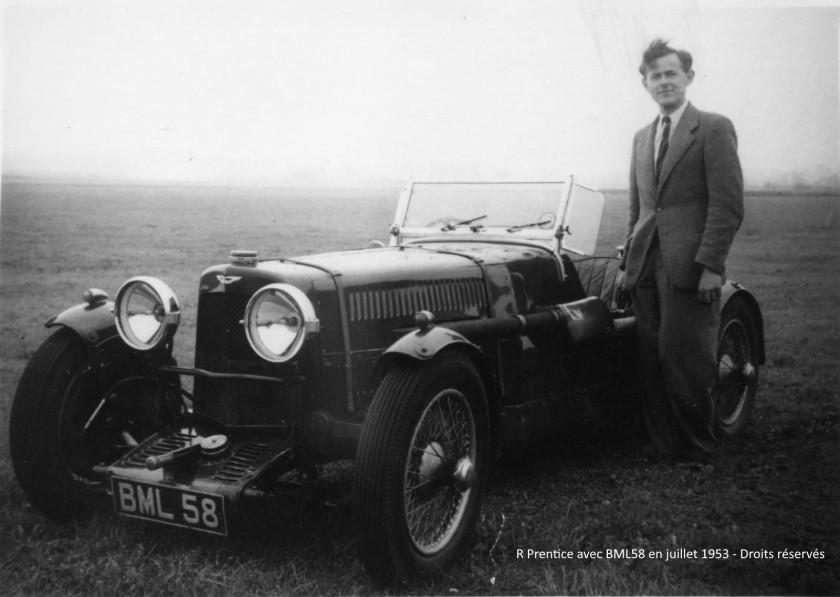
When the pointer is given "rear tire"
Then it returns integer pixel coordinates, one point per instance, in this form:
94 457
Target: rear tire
421 466
67 418
737 368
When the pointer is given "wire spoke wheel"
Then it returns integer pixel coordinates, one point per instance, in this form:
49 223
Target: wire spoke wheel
97 426
420 468
733 359
81 441
434 503
69 419
737 368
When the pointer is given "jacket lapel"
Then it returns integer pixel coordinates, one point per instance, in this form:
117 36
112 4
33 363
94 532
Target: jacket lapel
646 171
683 137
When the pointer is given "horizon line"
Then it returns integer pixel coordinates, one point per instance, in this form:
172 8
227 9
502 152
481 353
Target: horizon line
383 183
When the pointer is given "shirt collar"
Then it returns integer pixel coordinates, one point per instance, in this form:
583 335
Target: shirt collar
675 116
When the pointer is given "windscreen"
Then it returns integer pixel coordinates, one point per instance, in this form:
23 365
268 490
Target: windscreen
530 205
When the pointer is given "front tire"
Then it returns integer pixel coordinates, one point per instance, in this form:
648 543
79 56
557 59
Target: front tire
737 368
421 466
71 416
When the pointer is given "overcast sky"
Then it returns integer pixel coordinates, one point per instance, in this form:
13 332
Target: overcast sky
339 92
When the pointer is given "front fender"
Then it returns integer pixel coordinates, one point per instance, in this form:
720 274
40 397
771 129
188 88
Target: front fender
732 290
94 324
422 345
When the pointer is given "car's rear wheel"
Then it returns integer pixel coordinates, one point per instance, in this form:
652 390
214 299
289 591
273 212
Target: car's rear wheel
421 466
737 367
73 414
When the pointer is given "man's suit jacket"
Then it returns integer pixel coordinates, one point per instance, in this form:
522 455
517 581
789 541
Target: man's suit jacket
697 205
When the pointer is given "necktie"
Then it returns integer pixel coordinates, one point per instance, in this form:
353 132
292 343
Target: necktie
663 145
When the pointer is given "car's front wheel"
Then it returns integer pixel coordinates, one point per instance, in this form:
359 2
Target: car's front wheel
421 466
74 413
738 366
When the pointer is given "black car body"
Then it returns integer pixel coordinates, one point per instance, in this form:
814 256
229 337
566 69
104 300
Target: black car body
484 324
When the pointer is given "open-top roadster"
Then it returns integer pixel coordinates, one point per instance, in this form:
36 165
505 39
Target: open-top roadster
483 325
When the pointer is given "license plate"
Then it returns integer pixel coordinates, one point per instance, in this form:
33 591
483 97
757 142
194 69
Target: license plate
170 505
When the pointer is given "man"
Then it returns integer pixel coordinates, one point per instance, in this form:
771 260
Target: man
686 204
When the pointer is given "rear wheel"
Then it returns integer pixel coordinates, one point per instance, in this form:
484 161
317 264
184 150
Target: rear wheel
421 466
737 367
71 416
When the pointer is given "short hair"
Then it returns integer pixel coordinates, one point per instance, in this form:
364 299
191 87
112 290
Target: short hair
659 48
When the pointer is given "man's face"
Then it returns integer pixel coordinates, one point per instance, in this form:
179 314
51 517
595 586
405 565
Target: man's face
666 82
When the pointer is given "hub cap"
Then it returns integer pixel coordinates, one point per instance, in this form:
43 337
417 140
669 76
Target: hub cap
735 372
439 471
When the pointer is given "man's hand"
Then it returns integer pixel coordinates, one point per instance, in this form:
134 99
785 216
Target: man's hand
621 294
708 290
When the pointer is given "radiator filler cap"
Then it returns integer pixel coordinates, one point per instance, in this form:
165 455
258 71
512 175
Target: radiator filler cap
243 258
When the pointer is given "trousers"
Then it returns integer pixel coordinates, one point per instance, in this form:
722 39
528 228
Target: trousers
677 337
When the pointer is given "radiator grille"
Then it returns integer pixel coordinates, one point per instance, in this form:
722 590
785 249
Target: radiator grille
219 331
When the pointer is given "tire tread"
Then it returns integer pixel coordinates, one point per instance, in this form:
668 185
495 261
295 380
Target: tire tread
33 429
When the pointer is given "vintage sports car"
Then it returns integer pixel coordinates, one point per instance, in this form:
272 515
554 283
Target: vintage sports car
483 325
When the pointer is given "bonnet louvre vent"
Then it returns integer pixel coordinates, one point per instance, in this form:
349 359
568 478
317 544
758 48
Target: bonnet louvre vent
461 295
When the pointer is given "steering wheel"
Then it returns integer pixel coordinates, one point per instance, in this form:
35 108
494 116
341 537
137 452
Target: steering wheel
548 222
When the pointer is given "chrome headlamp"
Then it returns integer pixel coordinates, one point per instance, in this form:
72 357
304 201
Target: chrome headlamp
147 312
278 319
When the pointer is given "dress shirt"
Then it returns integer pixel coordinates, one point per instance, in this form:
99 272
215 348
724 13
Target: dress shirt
675 120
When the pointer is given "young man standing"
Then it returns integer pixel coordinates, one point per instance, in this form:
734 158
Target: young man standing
686 204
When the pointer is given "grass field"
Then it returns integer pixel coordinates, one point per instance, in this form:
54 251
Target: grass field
777 490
